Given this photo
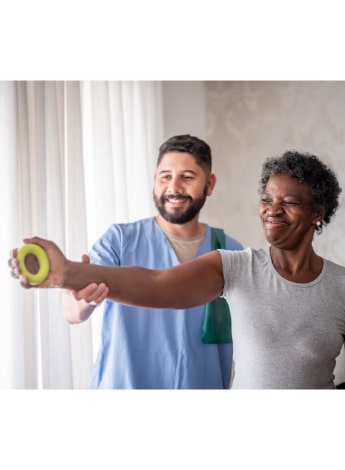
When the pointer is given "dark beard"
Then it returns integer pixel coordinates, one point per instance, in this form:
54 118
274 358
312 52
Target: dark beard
184 217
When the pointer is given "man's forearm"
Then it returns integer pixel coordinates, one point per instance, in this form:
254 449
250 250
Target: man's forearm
75 311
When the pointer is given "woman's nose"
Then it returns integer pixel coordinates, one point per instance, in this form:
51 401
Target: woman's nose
274 207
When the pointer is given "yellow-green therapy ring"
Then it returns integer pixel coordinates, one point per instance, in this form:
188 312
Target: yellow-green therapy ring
43 261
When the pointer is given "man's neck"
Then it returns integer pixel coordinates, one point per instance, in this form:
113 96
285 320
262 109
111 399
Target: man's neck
190 229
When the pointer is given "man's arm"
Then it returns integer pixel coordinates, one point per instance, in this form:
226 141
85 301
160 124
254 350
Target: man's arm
78 306
75 311
188 284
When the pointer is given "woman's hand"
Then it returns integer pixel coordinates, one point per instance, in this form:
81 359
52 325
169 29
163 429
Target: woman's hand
57 260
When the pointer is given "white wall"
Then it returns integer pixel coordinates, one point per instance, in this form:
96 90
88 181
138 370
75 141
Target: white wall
184 108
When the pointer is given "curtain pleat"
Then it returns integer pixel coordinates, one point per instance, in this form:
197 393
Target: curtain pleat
76 157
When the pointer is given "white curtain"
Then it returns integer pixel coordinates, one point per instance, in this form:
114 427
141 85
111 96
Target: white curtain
75 157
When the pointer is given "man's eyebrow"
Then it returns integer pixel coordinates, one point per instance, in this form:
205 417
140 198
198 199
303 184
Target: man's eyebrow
183 171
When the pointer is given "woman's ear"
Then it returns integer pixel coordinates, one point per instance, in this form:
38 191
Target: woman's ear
319 214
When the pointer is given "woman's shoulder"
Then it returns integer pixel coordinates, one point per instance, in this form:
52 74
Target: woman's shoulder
335 268
247 252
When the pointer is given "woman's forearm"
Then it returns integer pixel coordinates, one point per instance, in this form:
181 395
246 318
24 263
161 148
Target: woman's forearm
120 283
131 285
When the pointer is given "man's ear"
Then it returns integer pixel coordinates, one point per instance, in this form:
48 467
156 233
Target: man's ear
211 182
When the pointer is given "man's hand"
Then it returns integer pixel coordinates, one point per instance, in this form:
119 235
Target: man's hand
77 306
92 294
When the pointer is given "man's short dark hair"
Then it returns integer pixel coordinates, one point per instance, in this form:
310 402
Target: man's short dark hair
200 150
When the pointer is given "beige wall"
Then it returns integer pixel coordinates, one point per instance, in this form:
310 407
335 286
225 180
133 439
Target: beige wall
249 121
184 108
246 122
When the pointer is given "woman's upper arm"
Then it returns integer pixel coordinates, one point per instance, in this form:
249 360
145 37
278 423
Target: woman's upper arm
194 282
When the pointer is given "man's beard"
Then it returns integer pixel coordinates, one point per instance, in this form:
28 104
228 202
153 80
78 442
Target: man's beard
180 217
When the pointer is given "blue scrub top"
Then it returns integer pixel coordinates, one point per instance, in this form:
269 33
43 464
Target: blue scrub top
145 348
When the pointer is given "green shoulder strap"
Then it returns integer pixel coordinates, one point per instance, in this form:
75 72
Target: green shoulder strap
216 327
218 238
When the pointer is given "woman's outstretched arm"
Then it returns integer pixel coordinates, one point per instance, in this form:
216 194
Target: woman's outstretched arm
189 284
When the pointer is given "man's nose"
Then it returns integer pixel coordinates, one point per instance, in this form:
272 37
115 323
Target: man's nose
174 186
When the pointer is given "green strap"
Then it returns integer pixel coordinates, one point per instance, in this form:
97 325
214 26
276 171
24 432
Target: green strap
216 327
218 238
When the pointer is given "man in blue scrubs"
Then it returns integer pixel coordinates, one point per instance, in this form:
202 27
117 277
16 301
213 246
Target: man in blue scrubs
141 349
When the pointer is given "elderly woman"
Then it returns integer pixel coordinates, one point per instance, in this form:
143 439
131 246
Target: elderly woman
287 302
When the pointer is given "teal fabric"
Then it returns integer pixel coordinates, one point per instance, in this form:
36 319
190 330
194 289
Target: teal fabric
216 327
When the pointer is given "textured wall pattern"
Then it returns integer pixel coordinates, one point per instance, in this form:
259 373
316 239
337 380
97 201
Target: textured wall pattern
250 121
